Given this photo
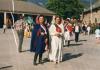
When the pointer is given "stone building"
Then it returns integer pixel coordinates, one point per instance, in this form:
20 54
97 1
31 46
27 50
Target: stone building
92 15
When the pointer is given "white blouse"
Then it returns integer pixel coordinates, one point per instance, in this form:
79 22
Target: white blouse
52 30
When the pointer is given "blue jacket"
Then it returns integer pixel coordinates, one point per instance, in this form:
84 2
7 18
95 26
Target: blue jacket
37 40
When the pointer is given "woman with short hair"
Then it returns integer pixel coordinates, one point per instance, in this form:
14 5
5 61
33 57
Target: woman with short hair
39 40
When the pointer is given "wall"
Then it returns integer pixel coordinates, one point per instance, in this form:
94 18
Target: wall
95 15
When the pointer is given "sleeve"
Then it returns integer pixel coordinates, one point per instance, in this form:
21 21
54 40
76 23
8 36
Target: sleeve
62 27
52 30
15 24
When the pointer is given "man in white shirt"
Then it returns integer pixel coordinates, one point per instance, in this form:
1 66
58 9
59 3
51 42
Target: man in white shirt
20 26
77 31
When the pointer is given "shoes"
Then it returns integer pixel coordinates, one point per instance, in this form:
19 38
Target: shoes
20 51
40 62
57 62
68 45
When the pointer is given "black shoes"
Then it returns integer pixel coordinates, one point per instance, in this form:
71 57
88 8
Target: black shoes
68 45
20 51
40 62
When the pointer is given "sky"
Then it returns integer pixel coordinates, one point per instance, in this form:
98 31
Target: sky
41 2
88 1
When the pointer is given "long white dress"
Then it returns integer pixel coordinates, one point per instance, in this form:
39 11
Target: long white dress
56 43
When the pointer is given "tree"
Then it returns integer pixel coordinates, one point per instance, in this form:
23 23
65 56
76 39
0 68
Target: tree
65 8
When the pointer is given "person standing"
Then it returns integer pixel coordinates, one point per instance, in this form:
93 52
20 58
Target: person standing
39 40
7 24
4 28
97 33
77 31
88 29
56 32
68 32
19 27
84 29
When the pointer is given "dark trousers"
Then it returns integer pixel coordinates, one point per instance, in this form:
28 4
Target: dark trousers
36 56
68 42
4 30
76 36
20 37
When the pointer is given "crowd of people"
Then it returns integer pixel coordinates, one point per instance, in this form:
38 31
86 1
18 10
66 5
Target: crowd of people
51 37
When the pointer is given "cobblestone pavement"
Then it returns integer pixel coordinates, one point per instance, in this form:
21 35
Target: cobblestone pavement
85 55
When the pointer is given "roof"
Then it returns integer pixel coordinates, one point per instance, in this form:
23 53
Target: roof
23 7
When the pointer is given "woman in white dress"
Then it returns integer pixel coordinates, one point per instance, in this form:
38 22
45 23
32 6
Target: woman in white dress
56 31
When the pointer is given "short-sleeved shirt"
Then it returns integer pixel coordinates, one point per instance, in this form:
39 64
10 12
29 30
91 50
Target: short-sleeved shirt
19 24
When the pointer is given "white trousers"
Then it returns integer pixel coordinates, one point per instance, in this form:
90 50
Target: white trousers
67 35
56 49
88 32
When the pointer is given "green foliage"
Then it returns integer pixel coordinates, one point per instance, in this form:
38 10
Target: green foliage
65 8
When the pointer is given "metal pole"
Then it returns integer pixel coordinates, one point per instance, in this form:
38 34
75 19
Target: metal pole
5 15
13 22
13 10
91 11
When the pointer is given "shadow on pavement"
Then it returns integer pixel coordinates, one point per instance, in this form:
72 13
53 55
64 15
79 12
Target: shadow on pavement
25 51
66 57
5 67
73 45
82 40
69 56
78 44
46 60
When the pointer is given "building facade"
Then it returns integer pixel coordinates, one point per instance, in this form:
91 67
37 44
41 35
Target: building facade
92 15
12 7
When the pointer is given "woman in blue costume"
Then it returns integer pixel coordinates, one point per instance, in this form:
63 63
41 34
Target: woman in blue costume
39 40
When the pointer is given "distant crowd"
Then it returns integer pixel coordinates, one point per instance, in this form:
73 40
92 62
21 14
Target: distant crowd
51 36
